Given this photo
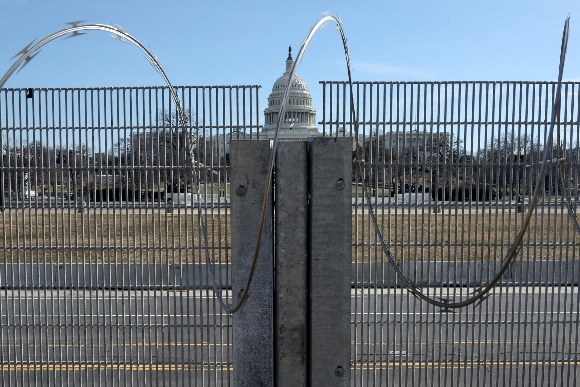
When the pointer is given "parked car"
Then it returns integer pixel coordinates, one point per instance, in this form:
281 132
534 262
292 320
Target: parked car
26 195
179 199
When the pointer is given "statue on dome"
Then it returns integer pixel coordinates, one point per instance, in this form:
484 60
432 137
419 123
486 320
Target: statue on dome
289 53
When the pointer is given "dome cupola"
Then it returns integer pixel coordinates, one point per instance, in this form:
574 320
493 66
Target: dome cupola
300 117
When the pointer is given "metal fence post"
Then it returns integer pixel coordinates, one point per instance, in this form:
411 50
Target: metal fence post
291 296
330 260
253 324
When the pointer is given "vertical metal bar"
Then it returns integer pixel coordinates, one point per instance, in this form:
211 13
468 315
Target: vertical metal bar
367 181
204 178
559 292
543 101
330 260
73 223
198 333
434 188
115 221
427 143
5 164
377 347
345 110
9 241
356 251
330 111
223 318
447 187
480 193
210 147
122 230
574 154
4 153
527 188
148 173
228 193
395 111
360 230
252 325
324 104
576 121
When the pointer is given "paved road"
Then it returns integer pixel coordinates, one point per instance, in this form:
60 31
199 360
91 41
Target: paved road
517 337
521 336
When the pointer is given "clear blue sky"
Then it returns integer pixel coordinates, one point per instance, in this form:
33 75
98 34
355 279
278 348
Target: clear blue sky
245 42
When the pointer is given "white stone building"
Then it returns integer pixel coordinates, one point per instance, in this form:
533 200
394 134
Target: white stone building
399 140
300 122
300 117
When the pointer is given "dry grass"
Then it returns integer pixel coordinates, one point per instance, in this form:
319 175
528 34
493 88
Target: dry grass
159 237
466 237
108 236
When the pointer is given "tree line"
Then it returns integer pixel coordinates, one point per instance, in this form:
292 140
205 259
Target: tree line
144 162
160 160
506 167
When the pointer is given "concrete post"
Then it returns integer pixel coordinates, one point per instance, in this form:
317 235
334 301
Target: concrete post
253 344
330 260
307 342
291 251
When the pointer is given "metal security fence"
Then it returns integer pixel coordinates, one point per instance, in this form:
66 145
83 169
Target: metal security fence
103 276
451 167
102 262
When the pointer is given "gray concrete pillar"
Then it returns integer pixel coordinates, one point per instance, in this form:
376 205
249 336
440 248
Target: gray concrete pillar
253 342
330 231
291 296
301 335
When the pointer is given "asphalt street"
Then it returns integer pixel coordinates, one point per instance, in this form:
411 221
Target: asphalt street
518 336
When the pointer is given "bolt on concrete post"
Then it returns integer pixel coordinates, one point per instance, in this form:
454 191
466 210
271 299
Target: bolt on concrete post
330 230
291 300
253 342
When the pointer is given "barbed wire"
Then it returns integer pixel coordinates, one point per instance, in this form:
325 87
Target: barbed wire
481 293
244 292
119 33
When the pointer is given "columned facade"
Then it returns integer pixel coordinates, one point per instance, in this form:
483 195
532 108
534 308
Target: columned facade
300 118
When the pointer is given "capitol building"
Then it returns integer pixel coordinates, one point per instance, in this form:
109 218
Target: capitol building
300 117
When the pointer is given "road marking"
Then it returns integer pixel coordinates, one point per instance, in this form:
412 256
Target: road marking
437 313
359 343
141 344
473 342
85 317
64 367
459 364
510 342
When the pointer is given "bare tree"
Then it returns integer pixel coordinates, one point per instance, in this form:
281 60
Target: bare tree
170 147
426 160
509 164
